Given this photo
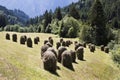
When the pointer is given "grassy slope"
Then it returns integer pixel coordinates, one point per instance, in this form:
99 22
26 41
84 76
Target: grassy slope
21 63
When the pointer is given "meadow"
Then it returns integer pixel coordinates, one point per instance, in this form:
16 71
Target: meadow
18 62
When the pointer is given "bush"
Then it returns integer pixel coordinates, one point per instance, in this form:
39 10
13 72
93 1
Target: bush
48 29
14 37
29 42
116 54
85 34
69 27
8 36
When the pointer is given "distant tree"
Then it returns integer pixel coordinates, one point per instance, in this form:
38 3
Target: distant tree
74 12
47 19
58 13
3 20
50 16
46 22
61 32
115 23
98 23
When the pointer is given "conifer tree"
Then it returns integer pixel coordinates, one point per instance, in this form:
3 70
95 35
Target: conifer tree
58 13
98 23
74 12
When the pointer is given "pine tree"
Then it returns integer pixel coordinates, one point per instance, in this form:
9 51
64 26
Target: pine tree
3 20
48 19
74 12
98 23
58 13
46 22
61 33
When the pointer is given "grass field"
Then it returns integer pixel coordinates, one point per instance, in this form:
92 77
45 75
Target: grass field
18 62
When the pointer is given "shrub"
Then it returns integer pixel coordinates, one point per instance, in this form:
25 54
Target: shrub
14 37
50 61
8 36
29 42
48 29
116 54
69 27
85 34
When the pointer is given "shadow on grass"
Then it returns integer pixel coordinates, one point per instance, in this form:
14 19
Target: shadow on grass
58 68
75 62
54 73
82 59
70 68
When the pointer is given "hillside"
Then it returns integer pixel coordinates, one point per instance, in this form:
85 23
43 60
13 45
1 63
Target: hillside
18 62
14 16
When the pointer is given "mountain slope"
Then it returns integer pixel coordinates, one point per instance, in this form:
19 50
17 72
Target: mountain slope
14 16
35 8
18 62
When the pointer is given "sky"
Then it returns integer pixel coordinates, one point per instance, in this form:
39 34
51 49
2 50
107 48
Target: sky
35 7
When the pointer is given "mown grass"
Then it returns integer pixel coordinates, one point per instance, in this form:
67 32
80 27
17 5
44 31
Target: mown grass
18 62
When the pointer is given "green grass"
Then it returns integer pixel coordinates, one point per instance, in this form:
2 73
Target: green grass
18 62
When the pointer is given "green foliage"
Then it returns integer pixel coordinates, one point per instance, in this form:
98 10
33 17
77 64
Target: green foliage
68 26
58 14
3 20
55 26
116 54
111 44
98 23
74 12
85 34
48 19
14 28
48 29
